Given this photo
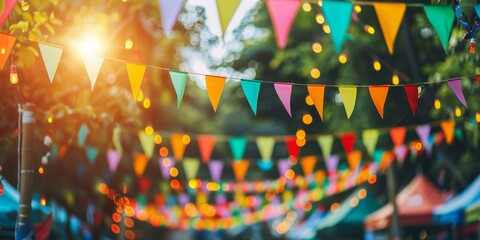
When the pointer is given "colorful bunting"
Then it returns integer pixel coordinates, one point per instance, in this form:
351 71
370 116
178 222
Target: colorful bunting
441 17
240 169
206 144
282 14
448 127
93 64
265 147
354 159
349 96
5 8
284 92
317 93
226 9
215 86
292 147
135 75
398 135
191 165
178 146
51 57
390 16
179 81
456 86
412 96
6 44
348 141
370 138
283 165
139 164
337 14
238 145
325 142
113 158
82 134
331 162
308 164
251 90
169 10
147 143
215 167
379 96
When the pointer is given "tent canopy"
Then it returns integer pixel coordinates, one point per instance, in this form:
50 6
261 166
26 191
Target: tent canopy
349 217
415 205
452 211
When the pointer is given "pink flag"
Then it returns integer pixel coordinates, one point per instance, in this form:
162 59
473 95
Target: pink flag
169 10
165 165
215 167
284 92
113 158
456 86
331 163
282 14
7 8
283 166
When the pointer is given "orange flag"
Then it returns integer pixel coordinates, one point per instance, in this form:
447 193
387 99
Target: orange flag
317 93
6 44
379 95
448 127
215 86
354 159
240 169
139 164
206 143
390 16
178 146
308 164
398 135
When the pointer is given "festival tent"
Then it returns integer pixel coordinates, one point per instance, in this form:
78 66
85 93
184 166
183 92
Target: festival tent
415 205
452 211
348 219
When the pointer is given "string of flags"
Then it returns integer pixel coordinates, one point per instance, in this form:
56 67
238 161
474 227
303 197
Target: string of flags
51 55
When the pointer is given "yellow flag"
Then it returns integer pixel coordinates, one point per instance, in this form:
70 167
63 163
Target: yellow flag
226 9
215 86
390 16
349 96
135 74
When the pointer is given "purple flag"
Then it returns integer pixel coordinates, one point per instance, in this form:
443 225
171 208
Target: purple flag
165 165
401 152
169 10
423 132
183 199
331 162
113 158
283 166
456 86
284 92
215 167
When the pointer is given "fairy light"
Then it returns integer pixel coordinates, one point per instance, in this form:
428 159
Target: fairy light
309 100
477 117
174 172
301 134
376 65
395 79
147 103
128 44
307 119
369 29
357 9
326 28
320 3
458 112
13 74
317 47
315 73
157 139
306 7
437 104
319 18
289 174
335 207
185 139
50 119
301 142
149 130
343 58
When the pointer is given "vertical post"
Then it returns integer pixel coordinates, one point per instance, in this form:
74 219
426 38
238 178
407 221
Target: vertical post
395 223
27 172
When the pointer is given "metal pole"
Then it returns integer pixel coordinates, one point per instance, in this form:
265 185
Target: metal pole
395 226
27 171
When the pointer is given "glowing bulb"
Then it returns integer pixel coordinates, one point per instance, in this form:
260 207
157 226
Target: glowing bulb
149 130
477 117
315 73
43 201
395 79
320 19
25 5
301 134
320 3
458 112
90 46
41 170
326 28
317 47
13 74
309 100
376 65
3 51
437 104
369 29
357 9
50 119
157 139
307 119
301 142
306 7
289 174
342 58
128 44
185 139
140 96
173 172
472 46
146 103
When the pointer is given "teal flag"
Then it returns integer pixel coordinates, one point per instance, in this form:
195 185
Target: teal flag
337 14
238 145
92 153
82 135
179 80
441 17
251 90
378 155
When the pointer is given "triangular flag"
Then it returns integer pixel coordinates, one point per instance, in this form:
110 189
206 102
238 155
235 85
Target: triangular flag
226 9
135 75
51 57
215 86
265 147
337 14
178 146
284 92
379 95
139 164
398 135
206 143
92 153
147 142
370 138
215 167
456 86
265 165
169 10
441 17
240 169
117 131
6 44
354 159
348 141
308 164
292 147
390 16
93 64
282 14
191 165
401 152
448 127
251 90
331 162
283 165
5 8
317 93
238 145
412 96
423 132
349 96
325 142
165 165
113 158
179 81
82 134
